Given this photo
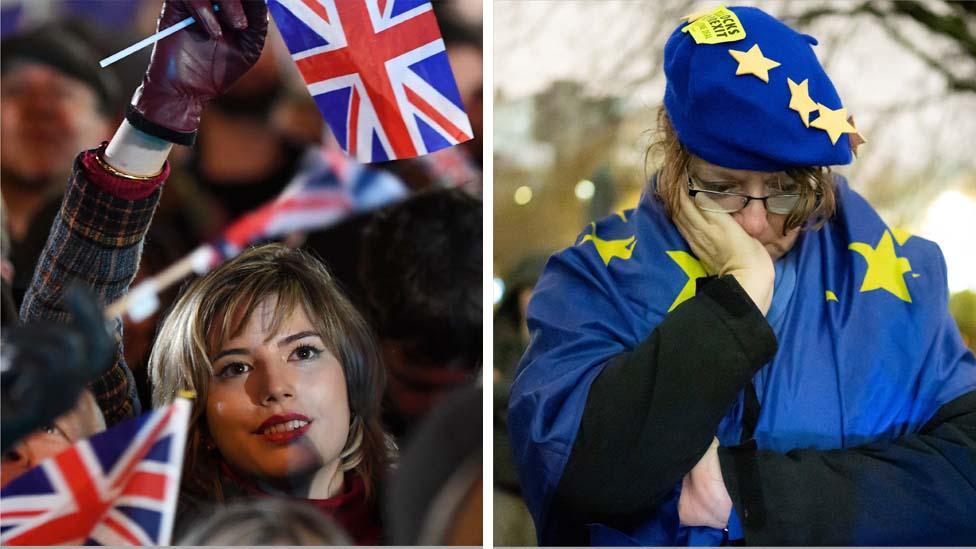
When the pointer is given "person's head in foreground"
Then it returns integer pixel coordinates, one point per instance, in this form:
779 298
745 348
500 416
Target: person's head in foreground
770 129
267 521
81 422
421 271
434 495
287 377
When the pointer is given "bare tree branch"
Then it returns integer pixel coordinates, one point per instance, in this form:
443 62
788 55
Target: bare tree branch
954 82
950 26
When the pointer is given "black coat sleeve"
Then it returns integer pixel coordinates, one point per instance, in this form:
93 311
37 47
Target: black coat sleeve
652 412
917 490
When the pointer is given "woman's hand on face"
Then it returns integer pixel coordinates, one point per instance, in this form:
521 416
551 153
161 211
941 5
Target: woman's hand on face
723 247
704 500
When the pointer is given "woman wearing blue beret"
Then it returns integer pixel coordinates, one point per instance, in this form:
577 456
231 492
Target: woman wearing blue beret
751 356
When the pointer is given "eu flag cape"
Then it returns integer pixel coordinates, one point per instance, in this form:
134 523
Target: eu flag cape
867 349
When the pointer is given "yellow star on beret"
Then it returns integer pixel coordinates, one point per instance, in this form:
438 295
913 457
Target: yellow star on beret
800 100
834 122
753 62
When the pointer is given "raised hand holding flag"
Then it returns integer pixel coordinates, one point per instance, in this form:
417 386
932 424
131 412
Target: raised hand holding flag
377 69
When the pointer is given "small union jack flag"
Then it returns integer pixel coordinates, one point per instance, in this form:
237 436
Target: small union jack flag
117 488
379 73
329 187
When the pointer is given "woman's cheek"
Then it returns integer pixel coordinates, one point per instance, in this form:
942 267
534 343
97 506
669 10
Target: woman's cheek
217 411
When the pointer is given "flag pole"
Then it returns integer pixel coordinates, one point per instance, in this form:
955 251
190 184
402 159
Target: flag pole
150 40
142 300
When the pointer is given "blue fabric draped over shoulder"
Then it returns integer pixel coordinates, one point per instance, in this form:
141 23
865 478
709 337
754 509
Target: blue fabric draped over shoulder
867 349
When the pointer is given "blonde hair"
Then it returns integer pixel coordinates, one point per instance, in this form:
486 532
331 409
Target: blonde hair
267 521
817 200
217 307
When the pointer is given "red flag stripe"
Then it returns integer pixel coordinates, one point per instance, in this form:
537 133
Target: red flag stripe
150 485
121 530
17 514
352 134
148 442
312 202
318 8
440 119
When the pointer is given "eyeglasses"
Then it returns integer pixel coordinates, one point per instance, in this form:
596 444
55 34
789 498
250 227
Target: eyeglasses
726 202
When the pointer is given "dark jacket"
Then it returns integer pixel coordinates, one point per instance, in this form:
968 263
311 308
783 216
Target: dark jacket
97 239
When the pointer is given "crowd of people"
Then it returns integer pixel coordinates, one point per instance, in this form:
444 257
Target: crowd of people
319 363
746 357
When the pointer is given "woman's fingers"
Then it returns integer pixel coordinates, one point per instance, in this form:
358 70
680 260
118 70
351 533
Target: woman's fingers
232 14
204 14
695 224
696 240
722 221
691 212
720 226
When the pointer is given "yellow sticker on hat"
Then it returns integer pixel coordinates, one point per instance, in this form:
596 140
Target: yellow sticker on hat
716 27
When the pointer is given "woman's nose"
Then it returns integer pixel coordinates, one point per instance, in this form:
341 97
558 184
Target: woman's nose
752 218
279 382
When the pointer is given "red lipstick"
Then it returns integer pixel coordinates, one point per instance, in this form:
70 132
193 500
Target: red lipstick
284 428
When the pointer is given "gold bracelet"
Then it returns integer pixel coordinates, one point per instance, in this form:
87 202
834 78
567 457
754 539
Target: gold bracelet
99 157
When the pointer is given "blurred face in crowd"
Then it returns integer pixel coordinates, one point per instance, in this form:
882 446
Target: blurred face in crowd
47 118
82 421
277 406
764 226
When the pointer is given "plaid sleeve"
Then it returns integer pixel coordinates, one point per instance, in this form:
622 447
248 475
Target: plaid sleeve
97 239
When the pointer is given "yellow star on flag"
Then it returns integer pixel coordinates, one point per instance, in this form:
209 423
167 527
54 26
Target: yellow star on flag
800 99
753 62
885 269
901 236
831 296
834 122
693 269
609 249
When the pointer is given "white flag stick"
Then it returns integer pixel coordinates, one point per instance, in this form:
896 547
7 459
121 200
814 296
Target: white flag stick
149 41
142 300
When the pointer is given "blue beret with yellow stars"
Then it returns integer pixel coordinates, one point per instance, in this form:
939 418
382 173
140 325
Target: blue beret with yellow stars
745 91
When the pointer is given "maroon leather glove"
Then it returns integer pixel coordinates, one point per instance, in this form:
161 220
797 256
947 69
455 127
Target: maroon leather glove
196 64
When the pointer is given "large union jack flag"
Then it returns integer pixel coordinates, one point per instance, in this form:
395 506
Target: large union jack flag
116 488
379 73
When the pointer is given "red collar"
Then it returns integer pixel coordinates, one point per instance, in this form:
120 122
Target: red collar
349 508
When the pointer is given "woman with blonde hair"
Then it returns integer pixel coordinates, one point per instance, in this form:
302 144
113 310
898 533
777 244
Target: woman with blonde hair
288 382
286 373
